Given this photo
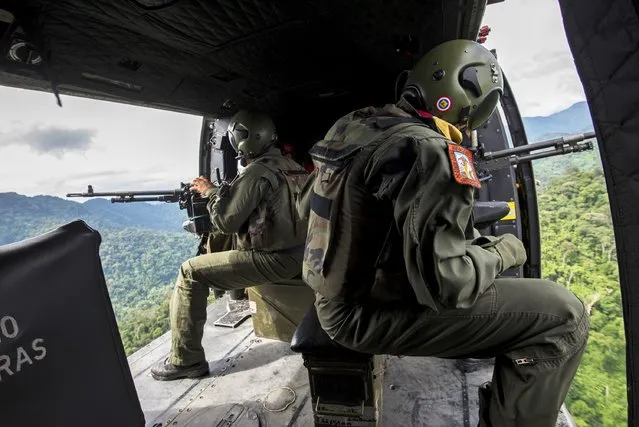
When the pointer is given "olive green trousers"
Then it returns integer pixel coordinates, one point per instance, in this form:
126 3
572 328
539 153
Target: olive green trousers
223 271
535 329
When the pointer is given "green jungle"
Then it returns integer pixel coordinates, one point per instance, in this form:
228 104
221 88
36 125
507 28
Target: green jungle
578 251
143 246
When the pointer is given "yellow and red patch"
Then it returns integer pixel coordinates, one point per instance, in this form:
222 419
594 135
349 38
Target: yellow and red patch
461 160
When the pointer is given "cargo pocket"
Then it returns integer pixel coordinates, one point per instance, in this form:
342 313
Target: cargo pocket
322 223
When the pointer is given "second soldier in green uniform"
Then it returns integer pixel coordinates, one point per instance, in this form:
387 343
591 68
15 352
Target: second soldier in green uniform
392 261
259 208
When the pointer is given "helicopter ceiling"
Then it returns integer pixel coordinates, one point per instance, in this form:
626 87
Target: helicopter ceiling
292 58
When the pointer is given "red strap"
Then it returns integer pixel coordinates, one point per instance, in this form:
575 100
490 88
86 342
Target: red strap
424 114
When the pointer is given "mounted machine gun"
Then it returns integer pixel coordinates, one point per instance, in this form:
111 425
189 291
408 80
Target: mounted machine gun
487 161
199 222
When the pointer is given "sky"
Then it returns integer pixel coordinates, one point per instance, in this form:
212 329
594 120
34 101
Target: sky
45 149
533 53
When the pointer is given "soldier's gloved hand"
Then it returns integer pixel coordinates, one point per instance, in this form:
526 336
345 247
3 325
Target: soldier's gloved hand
201 185
510 249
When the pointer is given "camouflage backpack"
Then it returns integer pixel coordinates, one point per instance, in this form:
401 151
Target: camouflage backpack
333 159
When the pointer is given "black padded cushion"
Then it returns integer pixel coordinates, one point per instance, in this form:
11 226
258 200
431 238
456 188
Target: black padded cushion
486 213
61 359
310 338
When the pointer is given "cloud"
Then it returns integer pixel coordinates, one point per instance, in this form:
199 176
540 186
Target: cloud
52 140
534 54
541 64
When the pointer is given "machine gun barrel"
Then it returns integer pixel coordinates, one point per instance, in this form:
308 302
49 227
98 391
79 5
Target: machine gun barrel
555 142
172 198
199 222
169 196
493 160
550 153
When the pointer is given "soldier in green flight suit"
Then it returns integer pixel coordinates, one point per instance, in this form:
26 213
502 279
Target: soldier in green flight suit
396 264
258 207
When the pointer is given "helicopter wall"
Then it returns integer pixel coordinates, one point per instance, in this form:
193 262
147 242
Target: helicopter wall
604 38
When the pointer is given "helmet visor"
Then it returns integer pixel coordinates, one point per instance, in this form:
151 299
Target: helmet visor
485 109
237 135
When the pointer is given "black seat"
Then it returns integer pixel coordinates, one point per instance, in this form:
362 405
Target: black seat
310 339
486 213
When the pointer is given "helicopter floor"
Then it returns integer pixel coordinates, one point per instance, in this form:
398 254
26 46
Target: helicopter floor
260 382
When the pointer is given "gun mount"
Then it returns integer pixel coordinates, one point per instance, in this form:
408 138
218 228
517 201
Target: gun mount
493 160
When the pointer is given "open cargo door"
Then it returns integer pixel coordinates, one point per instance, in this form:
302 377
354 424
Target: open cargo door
62 362
217 156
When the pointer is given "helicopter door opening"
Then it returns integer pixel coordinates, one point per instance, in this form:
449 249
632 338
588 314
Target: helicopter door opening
216 151
218 157
502 195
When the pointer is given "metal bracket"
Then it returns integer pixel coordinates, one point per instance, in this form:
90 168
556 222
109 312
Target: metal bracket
237 312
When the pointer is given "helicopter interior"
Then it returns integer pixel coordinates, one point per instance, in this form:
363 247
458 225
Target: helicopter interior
306 63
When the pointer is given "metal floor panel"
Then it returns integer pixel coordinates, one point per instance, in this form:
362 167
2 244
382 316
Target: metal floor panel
417 391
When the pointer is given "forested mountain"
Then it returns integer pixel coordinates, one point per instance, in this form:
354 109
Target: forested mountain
578 251
575 119
42 213
142 247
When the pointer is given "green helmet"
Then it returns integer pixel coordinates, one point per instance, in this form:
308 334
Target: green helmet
458 81
251 133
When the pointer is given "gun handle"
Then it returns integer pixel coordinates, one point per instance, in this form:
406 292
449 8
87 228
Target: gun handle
218 176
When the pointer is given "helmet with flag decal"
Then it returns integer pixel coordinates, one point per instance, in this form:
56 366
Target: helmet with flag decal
458 81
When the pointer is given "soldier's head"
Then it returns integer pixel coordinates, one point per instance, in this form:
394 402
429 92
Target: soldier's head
251 133
458 81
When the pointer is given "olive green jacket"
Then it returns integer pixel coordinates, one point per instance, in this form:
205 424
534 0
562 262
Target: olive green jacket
259 205
397 231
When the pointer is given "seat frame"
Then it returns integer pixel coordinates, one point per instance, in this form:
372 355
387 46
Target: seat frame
344 383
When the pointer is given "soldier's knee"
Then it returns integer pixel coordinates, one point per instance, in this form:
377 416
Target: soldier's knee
572 307
575 316
186 272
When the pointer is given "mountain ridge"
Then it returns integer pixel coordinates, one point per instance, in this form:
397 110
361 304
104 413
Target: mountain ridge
574 119
44 212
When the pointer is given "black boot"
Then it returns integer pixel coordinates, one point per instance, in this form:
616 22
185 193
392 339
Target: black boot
485 395
165 371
